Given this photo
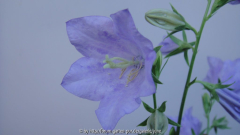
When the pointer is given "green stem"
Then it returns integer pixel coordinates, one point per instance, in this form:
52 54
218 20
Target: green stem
198 37
154 101
208 128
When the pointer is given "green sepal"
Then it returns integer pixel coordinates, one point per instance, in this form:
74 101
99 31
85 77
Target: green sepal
206 103
172 131
156 49
144 123
180 28
193 133
220 123
155 79
212 88
162 108
148 108
217 5
171 122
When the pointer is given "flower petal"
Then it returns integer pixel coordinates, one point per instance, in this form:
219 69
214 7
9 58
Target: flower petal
126 28
216 65
87 79
114 106
95 36
230 102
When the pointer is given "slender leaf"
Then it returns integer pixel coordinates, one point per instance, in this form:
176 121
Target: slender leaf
148 108
144 123
155 79
171 122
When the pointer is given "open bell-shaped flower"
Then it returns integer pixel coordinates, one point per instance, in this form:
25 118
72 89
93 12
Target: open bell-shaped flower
116 67
165 19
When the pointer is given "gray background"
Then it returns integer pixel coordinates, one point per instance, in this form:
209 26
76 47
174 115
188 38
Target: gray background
35 54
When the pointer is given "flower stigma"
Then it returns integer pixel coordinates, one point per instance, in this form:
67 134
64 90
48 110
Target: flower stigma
123 64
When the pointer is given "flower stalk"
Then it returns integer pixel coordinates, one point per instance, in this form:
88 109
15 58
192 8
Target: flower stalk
198 37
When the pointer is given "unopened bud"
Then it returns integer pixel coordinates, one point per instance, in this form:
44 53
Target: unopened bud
158 122
165 19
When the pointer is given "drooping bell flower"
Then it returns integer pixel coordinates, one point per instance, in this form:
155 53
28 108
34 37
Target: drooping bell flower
228 72
116 67
188 123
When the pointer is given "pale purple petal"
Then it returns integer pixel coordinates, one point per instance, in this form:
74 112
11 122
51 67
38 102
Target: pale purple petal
95 36
87 79
115 105
215 65
188 122
231 102
234 2
126 28
168 46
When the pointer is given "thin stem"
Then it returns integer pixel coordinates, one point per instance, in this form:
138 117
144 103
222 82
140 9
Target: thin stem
208 128
154 101
198 37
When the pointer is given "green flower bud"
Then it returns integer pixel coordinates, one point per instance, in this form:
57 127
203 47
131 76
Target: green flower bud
158 122
165 19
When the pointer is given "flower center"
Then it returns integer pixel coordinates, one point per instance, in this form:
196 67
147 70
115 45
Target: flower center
123 64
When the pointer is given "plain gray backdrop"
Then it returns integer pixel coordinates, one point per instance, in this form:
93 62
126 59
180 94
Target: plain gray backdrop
35 54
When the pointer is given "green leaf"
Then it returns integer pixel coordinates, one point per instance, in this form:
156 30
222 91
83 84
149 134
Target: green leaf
170 34
148 108
193 133
206 103
171 122
180 49
155 79
186 57
172 131
156 49
162 108
164 65
144 123
184 36
176 40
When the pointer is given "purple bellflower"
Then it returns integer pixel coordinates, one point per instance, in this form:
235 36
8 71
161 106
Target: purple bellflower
167 46
234 2
228 72
116 69
188 122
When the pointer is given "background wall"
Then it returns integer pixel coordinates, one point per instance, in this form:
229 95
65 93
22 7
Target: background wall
35 54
